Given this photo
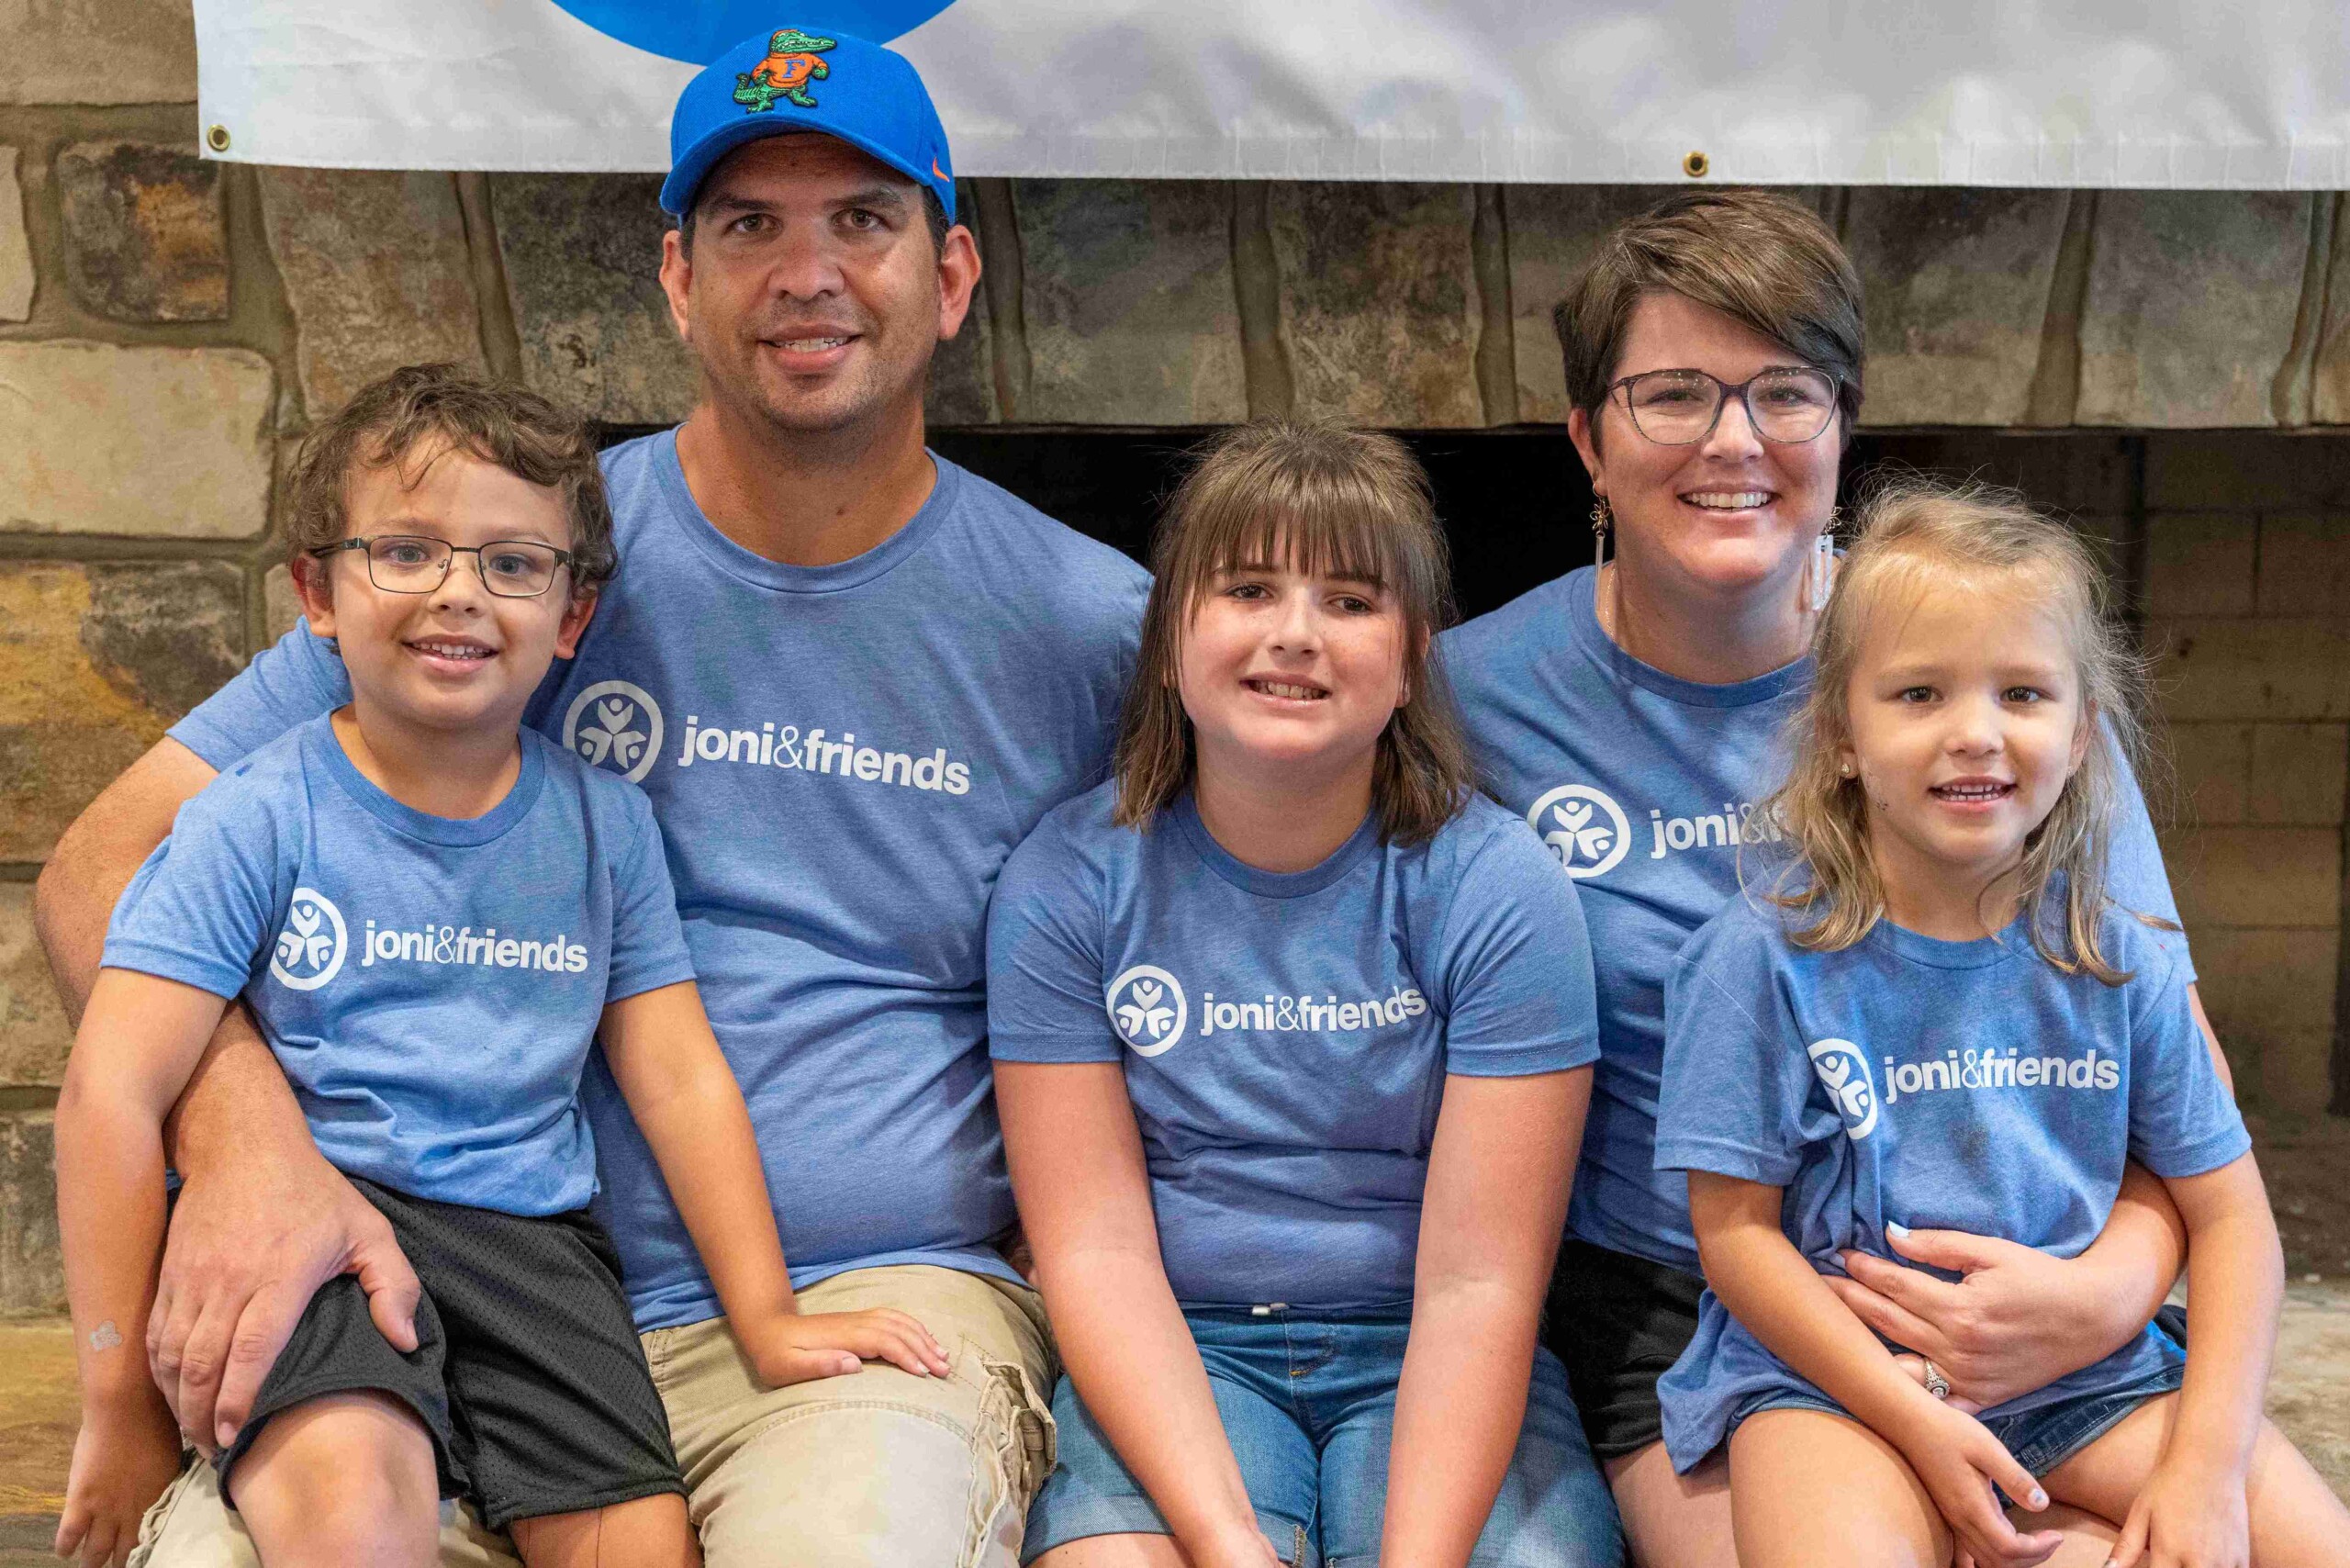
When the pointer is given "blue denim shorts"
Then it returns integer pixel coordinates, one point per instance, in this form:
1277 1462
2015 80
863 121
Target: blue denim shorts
2038 1439
1308 1405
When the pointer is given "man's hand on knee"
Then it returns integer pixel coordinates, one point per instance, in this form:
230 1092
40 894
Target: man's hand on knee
244 1257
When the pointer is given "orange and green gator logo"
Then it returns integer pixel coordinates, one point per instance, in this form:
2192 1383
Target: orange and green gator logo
791 63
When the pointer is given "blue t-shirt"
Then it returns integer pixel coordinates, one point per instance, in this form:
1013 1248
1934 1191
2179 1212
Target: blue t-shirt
430 984
1286 1036
841 759
1645 786
1946 1085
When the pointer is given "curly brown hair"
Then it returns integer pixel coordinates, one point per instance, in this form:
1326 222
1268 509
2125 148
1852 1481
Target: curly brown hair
420 411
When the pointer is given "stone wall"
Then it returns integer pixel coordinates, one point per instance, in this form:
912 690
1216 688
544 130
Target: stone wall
169 326
2247 600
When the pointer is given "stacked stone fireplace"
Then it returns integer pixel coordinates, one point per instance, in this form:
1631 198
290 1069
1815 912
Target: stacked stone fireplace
2172 369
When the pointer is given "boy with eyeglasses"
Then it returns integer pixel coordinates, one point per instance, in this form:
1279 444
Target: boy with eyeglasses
431 911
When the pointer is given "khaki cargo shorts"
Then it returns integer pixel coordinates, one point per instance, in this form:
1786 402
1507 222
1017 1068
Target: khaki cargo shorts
879 1469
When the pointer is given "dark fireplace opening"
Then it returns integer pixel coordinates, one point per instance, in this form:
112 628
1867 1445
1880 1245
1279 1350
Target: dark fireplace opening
1516 505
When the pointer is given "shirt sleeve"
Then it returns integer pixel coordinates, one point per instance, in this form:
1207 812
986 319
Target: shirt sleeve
298 678
203 908
2135 878
1737 1078
1045 991
2182 1120
1519 993
648 940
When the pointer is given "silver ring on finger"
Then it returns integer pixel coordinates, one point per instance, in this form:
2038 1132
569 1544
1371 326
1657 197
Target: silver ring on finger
1936 1383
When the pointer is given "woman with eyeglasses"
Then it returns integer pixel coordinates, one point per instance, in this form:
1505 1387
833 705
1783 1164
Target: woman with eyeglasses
1629 711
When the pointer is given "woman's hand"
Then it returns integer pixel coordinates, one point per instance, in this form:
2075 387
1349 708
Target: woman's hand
801 1347
123 1459
1916 1369
1959 1462
2188 1515
2018 1320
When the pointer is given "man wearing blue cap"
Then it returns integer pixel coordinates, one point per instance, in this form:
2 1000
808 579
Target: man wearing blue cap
851 677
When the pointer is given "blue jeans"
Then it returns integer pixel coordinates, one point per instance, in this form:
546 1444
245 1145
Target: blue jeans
2038 1439
1308 1405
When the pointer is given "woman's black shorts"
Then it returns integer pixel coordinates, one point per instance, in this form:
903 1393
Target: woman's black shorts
1618 1322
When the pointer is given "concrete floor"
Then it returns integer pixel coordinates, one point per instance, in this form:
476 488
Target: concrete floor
2308 1397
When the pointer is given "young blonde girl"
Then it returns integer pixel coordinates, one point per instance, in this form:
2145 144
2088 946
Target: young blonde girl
1936 1017
1293 1036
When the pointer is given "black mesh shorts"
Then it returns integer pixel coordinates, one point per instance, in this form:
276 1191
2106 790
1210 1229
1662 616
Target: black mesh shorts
1618 1323
527 1371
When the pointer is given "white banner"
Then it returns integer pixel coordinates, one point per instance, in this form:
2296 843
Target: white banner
2184 94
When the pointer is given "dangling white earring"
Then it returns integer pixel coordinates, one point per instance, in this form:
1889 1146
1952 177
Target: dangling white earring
1822 575
1603 523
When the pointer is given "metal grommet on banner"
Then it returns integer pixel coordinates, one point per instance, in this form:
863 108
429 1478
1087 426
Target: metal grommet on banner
216 137
1695 165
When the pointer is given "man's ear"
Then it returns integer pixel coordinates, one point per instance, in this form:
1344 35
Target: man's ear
313 585
958 279
575 616
677 281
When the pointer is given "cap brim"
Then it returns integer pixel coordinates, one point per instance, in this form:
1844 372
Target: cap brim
686 177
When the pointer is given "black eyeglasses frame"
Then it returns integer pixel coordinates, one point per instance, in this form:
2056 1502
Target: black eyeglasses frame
563 559
1835 399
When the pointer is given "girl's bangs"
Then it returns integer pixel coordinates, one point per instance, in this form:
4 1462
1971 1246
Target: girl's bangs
1318 535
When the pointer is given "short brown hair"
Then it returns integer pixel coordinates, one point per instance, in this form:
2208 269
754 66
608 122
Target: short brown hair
1327 498
1916 534
444 408
1758 258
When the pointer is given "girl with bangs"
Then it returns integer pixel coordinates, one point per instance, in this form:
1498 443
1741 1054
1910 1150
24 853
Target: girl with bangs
1292 1033
1935 1015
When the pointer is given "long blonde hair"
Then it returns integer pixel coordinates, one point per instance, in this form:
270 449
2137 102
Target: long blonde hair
1324 498
1972 537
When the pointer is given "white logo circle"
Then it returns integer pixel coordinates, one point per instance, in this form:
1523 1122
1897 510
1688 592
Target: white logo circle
615 724
311 949
1586 831
1845 1073
1147 1008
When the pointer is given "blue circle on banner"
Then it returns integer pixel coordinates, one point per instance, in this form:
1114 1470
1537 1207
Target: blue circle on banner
699 34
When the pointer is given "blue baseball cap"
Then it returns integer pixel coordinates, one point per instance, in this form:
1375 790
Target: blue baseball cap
790 80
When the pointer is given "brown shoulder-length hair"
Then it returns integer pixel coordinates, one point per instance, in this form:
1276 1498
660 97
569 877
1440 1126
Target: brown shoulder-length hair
1324 498
1757 257
1916 534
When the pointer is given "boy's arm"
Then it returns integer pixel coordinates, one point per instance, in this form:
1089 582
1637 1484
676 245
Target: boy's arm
262 1220
1768 1286
1496 1204
1084 1192
140 1038
2193 1506
97 855
684 1097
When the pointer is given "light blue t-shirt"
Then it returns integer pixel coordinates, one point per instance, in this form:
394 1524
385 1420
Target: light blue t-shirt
1645 786
430 984
1286 1036
1945 1085
841 757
